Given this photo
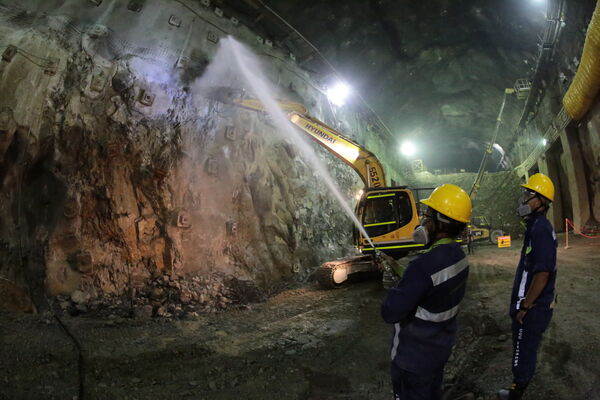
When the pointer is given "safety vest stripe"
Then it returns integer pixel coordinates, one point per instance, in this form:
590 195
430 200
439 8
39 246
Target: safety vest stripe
436 317
380 223
521 294
381 195
398 247
449 272
392 247
396 340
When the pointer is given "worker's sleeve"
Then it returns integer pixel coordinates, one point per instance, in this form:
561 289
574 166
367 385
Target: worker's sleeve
543 245
402 300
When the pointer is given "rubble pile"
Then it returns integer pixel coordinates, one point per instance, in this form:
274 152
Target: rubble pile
166 296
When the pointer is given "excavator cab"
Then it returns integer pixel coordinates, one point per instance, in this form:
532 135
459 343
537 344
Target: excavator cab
389 217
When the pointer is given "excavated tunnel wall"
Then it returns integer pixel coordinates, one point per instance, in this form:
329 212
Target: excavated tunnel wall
496 199
571 157
116 174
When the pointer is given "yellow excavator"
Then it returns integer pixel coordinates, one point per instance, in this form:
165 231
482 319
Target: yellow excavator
481 230
388 214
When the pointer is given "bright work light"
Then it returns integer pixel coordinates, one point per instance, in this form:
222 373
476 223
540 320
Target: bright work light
338 94
408 149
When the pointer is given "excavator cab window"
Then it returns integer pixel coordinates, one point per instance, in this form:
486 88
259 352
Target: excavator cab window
386 212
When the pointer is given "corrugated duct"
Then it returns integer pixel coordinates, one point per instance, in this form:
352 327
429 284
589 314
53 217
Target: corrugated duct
585 85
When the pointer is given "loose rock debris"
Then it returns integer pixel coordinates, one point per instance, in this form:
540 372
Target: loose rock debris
301 343
166 296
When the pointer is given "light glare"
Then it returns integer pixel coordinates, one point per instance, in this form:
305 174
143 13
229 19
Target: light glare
338 94
359 194
408 149
544 142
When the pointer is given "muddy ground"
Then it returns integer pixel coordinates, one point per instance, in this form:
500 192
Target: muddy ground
307 343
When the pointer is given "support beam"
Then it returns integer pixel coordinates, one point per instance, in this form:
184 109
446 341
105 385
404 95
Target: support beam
547 166
590 134
575 170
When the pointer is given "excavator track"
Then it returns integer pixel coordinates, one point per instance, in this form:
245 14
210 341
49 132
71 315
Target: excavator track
333 274
326 273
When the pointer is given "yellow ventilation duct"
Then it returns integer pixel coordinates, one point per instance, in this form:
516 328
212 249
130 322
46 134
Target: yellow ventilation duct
585 85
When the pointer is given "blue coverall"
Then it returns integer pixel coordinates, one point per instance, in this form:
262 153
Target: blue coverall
423 308
537 255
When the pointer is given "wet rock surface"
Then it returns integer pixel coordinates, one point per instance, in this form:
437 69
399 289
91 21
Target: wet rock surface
116 172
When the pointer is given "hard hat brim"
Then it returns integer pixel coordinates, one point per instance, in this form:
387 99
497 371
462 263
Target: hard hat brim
533 189
429 204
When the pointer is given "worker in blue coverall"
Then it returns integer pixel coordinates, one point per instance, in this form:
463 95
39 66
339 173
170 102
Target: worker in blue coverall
424 304
532 298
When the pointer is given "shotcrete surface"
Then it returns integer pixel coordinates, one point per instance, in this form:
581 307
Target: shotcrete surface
307 343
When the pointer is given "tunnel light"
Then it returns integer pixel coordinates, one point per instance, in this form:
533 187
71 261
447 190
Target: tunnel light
544 142
338 94
408 149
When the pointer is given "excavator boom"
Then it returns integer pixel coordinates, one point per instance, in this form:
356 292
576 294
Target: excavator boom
388 214
353 154
361 160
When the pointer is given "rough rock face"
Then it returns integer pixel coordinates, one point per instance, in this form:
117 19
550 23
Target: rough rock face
496 200
436 70
112 178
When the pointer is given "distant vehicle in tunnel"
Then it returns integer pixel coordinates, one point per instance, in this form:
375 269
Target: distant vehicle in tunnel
481 230
388 215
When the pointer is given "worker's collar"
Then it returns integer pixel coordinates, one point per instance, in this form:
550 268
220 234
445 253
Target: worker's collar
442 241
533 217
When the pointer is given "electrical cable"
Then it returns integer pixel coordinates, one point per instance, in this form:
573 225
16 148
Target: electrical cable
26 54
328 64
311 84
80 363
202 18
21 50
32 61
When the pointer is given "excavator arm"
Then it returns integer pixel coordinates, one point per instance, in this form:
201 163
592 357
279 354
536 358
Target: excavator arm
360 159
388 214
366 165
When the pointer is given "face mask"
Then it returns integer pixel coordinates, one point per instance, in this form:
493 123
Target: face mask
420 235
524 208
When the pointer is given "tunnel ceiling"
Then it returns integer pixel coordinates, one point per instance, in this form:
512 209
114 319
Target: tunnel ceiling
434 70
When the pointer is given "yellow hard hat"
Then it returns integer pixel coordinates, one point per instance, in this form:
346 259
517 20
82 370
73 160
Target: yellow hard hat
541 184
451 201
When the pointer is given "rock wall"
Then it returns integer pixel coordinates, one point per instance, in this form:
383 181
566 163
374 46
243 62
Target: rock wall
435 70
570 157
119 179
497 198
589 137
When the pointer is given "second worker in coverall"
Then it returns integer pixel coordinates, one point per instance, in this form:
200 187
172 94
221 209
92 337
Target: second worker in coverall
424 304
533 290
